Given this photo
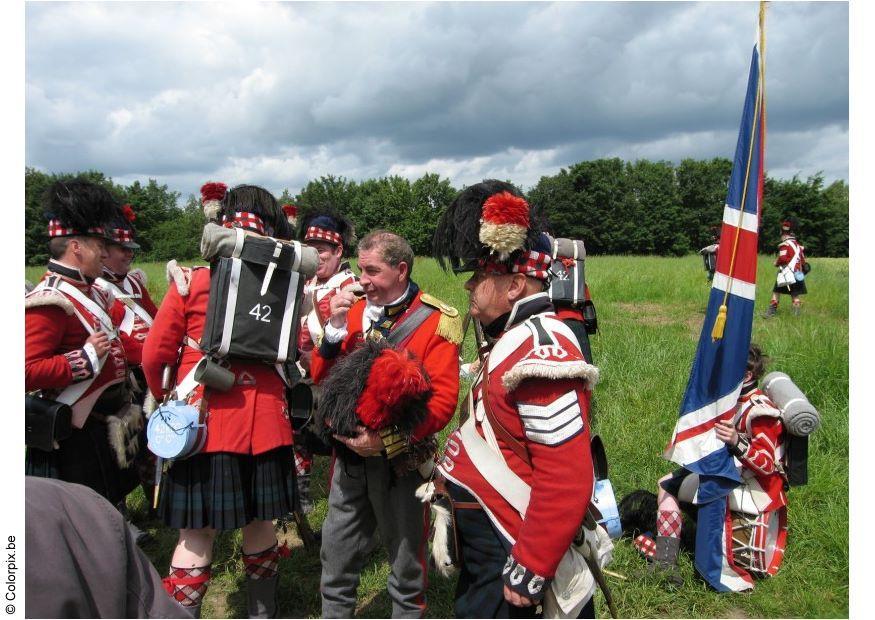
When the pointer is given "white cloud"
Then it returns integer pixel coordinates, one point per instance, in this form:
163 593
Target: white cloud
282 93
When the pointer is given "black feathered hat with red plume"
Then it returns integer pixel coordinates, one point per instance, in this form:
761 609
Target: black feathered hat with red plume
376 386
491 225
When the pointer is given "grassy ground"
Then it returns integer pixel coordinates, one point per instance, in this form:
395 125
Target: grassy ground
650 315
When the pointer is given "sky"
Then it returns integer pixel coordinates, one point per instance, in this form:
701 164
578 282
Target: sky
280 94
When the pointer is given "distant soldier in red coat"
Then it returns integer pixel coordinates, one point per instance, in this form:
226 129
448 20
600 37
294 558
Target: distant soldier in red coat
243 477
73 353
376 473
791 258
518 471
332 235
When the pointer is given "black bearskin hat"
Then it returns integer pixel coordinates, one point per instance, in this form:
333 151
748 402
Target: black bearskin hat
121 228
259 202
79 207
488 221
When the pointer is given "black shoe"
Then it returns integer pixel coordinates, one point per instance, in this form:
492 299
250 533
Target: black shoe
261 596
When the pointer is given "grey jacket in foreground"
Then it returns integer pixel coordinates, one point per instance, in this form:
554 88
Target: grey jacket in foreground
82 561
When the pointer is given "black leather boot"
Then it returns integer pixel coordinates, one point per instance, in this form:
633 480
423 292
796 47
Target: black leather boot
261 596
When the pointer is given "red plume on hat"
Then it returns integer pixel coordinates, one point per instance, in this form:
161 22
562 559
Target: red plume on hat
396 378
128 212
291 212
505 223
786 225
212 194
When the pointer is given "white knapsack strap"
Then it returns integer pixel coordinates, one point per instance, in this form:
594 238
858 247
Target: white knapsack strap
126 297
797 254
90 305
493 468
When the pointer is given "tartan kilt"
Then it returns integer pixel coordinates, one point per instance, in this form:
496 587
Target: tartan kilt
85 458
797 288
227 491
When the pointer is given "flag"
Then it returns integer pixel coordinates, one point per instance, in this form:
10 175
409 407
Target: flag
721 356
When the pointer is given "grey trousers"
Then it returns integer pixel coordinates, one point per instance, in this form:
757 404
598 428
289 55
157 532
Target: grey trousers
361 501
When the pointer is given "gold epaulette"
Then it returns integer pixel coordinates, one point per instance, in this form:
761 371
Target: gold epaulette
450 324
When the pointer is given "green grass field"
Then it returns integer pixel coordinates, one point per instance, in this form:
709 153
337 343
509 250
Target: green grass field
650 314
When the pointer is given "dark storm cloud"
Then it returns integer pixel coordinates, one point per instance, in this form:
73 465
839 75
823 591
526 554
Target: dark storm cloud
282 93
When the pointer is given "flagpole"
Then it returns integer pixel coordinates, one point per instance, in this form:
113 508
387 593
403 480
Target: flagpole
759 108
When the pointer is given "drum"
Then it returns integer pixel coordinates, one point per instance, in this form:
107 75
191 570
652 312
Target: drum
175 431
758 541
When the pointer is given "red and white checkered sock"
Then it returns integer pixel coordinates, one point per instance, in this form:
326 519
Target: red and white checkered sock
265 564
188 585
668 523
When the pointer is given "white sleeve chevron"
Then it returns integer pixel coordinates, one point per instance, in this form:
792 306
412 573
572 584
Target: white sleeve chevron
552 424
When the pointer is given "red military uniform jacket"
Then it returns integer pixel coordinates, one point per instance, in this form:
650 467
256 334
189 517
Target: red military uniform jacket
432 342
790 250
133 326
761 446
54 356
539 390
312 324
250 418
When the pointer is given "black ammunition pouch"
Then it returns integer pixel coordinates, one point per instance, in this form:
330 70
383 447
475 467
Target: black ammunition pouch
796 460
45 421
303 399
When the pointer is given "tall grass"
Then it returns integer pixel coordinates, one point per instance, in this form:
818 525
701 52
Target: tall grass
650 315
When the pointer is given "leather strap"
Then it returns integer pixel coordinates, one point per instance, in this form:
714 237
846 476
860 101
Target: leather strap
416 318
518 448
467 506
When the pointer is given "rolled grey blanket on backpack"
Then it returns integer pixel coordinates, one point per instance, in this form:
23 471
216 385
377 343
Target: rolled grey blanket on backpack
800 417
569 248
218 241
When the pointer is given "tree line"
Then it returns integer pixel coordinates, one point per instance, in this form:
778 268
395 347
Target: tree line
616 207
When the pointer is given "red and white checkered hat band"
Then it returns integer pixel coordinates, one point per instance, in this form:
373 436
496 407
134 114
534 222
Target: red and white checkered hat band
122 235
247 220
532 264
314 233
56 229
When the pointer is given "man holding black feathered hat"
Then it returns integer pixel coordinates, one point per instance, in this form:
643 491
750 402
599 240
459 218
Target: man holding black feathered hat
384 402
518 471
73 353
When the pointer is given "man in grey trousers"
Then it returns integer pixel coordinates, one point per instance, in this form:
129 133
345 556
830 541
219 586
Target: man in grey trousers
376 473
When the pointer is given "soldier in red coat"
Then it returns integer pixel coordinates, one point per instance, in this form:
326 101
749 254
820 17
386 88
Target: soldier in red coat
376 473
791 258
137 311
332 235
73 353
518 470
243 476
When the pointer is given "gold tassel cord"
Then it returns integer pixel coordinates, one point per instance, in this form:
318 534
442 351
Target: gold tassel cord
720 321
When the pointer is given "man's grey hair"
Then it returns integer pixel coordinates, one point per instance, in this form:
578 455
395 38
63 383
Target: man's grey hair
393 249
